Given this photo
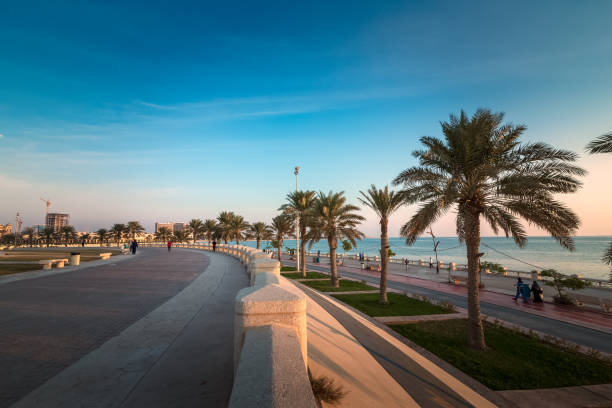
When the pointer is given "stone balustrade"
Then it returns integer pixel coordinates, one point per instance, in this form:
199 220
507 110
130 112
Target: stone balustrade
270 340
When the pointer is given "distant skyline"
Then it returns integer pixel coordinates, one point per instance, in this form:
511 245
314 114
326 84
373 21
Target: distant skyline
160 111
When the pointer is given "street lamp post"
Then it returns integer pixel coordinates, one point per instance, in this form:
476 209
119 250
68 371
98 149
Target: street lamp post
297 223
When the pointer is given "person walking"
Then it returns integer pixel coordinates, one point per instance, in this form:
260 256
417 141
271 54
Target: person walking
537 292
169 245
214 246
133 247
520 291
430 263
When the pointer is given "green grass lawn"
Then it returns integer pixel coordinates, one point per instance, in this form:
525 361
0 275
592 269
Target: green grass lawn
309 275
512 361
287 268
399 305
345 286
7 268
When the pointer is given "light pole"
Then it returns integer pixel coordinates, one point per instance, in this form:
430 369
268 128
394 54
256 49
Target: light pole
297 223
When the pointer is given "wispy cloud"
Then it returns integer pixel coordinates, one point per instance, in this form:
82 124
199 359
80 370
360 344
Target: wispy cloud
1 135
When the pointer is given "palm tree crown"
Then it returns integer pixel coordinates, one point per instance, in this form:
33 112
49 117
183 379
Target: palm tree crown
209 228
603 144
299 205
236 228
133 228
196 228
118 231
334 220
260 231
482 170
282 226
384 203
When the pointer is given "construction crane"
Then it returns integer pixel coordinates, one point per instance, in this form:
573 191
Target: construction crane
48 203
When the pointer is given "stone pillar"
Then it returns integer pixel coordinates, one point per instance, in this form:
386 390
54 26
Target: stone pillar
421 262
270 305
453 266
264 265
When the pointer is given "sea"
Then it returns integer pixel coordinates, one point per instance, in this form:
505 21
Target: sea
539 253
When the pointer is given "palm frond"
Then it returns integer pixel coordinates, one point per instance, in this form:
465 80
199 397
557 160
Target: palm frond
603 144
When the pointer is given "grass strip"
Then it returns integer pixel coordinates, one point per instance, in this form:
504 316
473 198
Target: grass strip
345 286
7 268
287 268
309 275
398 305
513 361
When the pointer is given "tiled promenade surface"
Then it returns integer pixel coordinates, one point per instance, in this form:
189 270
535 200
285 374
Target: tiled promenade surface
48 323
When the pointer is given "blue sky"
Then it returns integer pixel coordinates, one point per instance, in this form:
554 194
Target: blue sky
174 110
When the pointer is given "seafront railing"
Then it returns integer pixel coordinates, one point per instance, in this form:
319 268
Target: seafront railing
270 334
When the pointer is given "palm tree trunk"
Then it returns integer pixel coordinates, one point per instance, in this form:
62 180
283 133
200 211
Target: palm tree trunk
302 254
472 240
258 242
333 268
384 259
280 248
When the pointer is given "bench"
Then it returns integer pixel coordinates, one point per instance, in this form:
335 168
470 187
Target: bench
48 263
586 300
457 279
106 255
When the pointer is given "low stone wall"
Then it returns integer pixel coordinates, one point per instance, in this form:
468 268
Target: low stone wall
270 341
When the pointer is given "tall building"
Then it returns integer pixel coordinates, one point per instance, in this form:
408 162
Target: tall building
172 226
56 221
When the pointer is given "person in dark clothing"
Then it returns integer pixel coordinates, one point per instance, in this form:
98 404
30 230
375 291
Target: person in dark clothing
214 246
169 245
537 292
518 285
133 247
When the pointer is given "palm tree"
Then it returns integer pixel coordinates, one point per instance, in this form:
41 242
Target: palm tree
85 238
164 234
31 233
48 234
334 220
180 236
68 233
102 234
483 171
133 228
281 227
118 231
260 231
299 204
384 203
236 228
196 228
223 221
209 228
603 144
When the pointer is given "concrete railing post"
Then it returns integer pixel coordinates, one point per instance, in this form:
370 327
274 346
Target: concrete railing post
270 304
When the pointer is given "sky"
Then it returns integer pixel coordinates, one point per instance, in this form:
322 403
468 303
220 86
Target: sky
167 111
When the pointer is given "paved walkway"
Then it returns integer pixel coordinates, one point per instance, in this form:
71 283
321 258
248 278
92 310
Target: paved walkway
583 327
122 331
